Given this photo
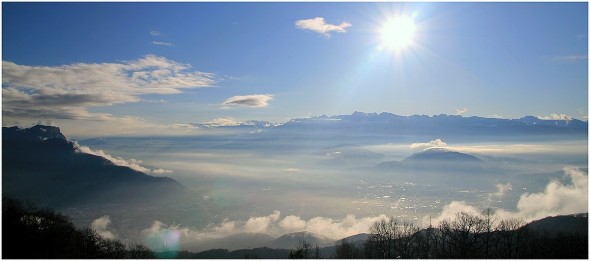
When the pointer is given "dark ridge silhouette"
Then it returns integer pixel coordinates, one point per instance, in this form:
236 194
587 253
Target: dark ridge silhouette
40 165
31 233
467 235
576 224
288 240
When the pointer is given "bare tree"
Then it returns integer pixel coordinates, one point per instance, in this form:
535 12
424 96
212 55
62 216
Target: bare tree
462 237
302 251
347 250
392 239
510 234
489 221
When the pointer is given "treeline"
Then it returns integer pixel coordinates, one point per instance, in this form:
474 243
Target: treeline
467 236
31 233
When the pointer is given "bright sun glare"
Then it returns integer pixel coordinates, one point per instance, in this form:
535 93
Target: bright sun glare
398 32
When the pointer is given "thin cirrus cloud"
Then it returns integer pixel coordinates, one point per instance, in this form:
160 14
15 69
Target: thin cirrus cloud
162 43
68 91
569 58
319 25
254 101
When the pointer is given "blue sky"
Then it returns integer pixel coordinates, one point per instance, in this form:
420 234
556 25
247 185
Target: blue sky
72 64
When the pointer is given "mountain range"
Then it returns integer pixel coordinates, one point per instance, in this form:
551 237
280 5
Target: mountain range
408 121
388 127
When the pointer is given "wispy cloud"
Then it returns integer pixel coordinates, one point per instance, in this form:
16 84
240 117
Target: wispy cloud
162 43
67 91
130 163
255 100
320 26
461 111
496 116
569 58
430 144
219 122
154 33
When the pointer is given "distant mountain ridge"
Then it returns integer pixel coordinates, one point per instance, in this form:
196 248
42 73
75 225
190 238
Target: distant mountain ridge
386 117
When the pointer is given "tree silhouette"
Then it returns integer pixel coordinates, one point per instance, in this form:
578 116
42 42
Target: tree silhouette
347 250
33 233
392 239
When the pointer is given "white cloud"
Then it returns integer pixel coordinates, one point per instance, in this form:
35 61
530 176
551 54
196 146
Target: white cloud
130 163
255 100
293 224
155 33
162 43
320 26
272 225
555 116
68 91
501 190
556 199
430 144
100 226
261 224
461 111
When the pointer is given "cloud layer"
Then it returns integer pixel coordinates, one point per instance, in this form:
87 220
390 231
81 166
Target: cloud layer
255 100
67 91
320 26
273 225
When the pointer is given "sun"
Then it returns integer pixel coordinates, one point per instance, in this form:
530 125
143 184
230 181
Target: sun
398 32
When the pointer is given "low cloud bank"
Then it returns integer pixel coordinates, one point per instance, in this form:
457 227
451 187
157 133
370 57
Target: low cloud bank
273 225
556 199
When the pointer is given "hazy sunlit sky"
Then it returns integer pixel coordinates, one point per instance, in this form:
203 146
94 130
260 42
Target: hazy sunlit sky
119 67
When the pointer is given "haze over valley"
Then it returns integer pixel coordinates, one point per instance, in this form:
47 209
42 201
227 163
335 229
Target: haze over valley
234 126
